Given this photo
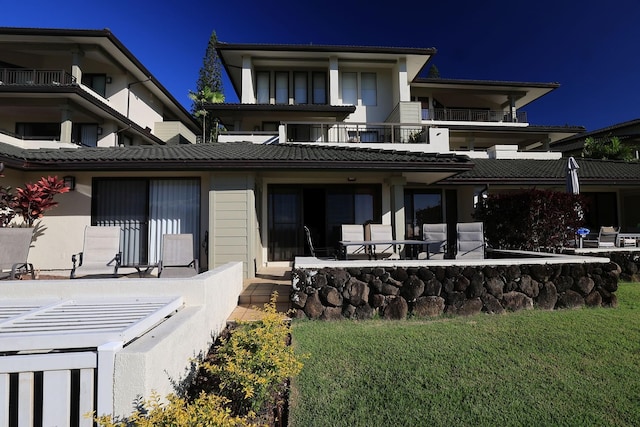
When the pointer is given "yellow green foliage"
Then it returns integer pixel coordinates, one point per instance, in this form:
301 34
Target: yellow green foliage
251 365
207 410
255 360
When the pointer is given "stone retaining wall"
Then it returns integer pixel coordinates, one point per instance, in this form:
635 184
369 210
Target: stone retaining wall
629 263
396 292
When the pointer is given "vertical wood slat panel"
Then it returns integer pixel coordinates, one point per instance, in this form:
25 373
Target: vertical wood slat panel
56 397
25 399
86 396
4 399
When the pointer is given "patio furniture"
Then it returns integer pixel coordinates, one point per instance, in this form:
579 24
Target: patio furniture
321 253
353 233
435 238
381 233
100 256
177 256
607 238
470 240
14 251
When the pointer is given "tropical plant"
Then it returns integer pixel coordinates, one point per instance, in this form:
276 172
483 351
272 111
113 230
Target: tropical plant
607 148
200 98
30 202
531 219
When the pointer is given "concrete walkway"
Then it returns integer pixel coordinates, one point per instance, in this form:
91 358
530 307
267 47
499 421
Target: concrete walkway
258 291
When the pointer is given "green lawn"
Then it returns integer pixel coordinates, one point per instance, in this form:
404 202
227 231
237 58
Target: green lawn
536 368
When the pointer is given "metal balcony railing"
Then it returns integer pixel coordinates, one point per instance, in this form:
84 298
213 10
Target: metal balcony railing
21 76
471 115
356 132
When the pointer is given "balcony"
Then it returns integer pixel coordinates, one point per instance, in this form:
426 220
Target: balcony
470 115
343 132
22 77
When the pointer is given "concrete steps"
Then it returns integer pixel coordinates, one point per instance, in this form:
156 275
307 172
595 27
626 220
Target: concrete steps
258 291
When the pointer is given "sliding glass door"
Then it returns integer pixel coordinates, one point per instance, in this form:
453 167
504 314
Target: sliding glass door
145 209
322 208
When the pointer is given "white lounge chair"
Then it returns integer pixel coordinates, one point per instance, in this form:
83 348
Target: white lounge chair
353 233
100 256
470 240
14 251
177 256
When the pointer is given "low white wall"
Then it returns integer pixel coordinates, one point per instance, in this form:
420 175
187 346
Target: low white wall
160 359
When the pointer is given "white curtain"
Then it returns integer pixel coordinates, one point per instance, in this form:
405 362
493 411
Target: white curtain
174 208
350 88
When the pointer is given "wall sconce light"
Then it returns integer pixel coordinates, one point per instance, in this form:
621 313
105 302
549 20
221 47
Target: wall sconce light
99 130
351 179
70 182
108 79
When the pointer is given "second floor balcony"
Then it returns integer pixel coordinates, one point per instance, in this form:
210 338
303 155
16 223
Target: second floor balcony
350 132
22 77
473 115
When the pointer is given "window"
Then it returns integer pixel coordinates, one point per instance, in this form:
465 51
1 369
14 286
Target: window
97 82
85 134
282 87
262 87
350 88
38 130
420 207
319 88
300 88
369 89
146 209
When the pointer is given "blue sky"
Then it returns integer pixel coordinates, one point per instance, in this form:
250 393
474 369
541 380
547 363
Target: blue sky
592 48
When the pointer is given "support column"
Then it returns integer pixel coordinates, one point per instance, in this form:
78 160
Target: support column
334 93
397 184
65 125
512 102
248 90
76 65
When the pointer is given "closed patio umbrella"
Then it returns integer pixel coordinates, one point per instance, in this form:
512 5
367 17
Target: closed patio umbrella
573 185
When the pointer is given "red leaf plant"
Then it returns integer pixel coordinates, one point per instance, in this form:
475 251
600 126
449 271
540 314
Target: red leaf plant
32 201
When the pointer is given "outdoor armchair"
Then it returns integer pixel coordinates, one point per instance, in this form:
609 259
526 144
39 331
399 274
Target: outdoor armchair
353 233
316 252
470 240
177 259
435 238
14 251
607 238
381 232
100 256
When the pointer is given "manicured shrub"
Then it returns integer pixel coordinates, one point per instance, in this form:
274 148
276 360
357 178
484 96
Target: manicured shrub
207 410
247 370
254 361
531 220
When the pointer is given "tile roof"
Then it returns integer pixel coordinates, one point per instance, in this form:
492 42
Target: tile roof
229 156
548 172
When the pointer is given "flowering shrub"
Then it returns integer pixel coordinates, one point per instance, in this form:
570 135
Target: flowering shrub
30 202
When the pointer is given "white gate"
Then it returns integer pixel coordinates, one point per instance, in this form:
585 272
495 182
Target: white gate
57 358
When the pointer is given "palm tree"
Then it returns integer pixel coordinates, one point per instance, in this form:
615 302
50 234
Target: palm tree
200 98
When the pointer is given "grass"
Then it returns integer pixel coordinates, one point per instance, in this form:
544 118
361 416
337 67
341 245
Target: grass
567 367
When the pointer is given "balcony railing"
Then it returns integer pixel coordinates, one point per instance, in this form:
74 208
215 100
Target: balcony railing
470 115
355 132
21 76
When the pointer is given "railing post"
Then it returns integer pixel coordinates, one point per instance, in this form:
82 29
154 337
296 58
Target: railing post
106 370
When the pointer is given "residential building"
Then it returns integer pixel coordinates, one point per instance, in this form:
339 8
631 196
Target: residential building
322 136
68 88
